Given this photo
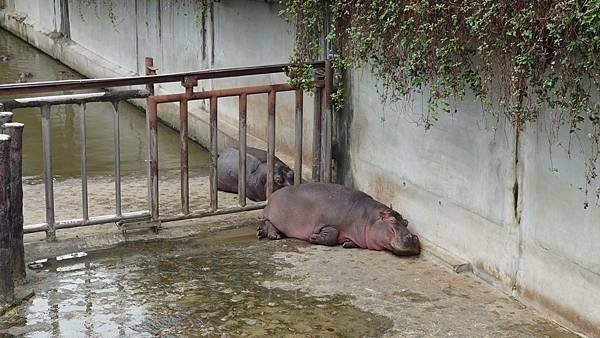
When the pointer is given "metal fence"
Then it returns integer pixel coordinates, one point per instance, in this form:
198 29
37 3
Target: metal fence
322 130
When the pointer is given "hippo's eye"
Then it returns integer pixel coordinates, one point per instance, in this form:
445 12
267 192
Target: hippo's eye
278 179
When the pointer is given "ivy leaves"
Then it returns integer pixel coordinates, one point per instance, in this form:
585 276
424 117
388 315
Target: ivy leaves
520 59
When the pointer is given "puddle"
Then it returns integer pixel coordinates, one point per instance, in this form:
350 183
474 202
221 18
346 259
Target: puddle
201 287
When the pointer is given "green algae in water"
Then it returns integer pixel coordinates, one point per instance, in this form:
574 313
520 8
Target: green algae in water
181 288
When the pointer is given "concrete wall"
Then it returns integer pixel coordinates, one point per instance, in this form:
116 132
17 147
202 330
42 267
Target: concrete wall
180 36
473 189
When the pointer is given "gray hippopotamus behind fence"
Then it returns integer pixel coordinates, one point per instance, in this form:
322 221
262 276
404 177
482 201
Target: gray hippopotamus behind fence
256 173
331 214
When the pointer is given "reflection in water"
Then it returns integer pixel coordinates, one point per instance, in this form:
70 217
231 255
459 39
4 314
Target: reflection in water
99 120
181 288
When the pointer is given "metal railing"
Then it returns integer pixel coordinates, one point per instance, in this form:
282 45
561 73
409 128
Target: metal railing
189 80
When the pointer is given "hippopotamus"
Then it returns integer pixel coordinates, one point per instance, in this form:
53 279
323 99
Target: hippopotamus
256 173
332 214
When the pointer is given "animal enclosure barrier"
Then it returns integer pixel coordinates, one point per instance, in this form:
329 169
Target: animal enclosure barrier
322 134
12 256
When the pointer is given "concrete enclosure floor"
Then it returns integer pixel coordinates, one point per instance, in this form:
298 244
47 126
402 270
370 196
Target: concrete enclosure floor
228 284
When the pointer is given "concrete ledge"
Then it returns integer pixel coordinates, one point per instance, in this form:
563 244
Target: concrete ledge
106 236
444 257
22 294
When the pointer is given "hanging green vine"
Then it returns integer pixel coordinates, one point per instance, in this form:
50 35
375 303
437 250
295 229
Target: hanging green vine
520 59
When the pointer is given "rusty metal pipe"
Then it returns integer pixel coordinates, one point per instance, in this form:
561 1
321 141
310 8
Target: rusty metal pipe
328 122
184 162
214 203
298 142
271 143
48 177
242 151
57 86
153 158
74 223
149 70
230 92
117 153
210 212
110 96
83 159
316 165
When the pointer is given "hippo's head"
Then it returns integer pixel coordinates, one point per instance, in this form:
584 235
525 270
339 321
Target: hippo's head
392 233
283 176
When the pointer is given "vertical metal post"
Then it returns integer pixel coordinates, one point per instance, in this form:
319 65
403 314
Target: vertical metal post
242 151
48 177
327 122
6 281
214 203
117 144
298 143
189 84
83 159
15 131
149 70
316 165
153 150
271 143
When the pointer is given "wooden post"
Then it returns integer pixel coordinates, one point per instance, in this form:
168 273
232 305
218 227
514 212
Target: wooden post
7 287
5 117
15 131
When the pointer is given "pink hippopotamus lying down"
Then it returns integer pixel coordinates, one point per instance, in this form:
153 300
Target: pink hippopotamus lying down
331 214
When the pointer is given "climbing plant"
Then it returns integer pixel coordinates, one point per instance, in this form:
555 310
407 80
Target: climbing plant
520 59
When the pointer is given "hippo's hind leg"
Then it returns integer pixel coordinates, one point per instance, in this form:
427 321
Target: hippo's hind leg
268 230
327 236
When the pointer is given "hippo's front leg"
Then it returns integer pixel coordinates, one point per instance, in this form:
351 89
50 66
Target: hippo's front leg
268 230
348 244
327 236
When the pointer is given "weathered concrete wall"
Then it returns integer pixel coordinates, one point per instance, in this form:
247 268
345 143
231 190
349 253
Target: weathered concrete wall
180 36
467 190
559 267
471 187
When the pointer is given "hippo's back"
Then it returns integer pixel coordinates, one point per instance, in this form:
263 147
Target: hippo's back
298 210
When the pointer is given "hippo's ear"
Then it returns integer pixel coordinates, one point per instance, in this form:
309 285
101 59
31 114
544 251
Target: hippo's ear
263 180
385 214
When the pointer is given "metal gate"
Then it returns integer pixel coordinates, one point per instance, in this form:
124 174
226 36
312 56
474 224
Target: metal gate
322 134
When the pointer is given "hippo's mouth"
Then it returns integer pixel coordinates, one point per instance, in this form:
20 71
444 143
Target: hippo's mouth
408 246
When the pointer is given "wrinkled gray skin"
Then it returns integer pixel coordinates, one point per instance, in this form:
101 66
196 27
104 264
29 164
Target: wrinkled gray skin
331 214
256 173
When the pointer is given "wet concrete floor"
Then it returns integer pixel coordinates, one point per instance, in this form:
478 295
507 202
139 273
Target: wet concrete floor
231 285
202 287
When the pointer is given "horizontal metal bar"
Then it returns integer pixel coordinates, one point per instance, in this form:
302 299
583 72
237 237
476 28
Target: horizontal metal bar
208 212
74 223
229 92
55 86
111 96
